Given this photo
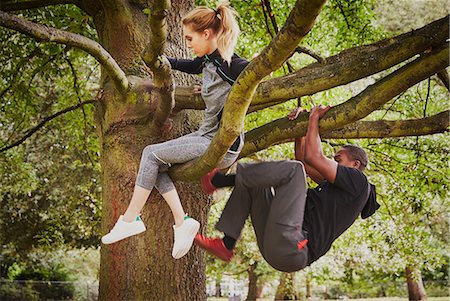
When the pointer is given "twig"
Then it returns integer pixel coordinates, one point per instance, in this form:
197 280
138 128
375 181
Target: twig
33 130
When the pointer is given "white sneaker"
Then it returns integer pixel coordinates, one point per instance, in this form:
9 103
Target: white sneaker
184 237
123 230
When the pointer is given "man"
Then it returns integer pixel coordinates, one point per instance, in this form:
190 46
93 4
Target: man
294 226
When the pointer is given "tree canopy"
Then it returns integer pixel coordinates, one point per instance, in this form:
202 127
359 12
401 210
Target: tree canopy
80 79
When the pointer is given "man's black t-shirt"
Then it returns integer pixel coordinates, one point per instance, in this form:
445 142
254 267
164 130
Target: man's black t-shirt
332 208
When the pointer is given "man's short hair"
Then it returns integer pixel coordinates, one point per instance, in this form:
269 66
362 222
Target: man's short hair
357 153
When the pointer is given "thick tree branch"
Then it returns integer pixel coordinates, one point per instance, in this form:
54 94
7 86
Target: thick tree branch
352 110
438 123
298 24
43 33
33 130
351 65
343 68
13 5
163 93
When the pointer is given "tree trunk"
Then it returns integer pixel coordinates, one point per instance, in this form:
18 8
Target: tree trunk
141 267
259 290
308 285
218 287
286 289
416 291
252 283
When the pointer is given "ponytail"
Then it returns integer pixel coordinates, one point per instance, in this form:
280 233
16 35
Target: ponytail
222 21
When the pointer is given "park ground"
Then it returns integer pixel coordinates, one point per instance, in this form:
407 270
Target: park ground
369 299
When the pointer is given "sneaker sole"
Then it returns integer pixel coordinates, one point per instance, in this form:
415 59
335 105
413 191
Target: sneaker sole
122 238
192 233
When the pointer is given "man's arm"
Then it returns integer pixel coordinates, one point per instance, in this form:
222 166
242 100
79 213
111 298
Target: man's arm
313 148
300 156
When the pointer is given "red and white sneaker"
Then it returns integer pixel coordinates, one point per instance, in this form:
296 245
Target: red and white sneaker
207 186
214 246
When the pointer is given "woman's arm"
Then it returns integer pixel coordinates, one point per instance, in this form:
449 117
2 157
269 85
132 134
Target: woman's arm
194 66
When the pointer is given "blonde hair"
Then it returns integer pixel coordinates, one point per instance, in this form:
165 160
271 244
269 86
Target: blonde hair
222 21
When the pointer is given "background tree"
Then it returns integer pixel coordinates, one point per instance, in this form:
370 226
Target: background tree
134 101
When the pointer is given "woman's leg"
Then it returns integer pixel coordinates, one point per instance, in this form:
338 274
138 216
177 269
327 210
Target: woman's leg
179 150
140 196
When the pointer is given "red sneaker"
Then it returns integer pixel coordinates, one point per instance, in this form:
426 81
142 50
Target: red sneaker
302 244
207 186
214 246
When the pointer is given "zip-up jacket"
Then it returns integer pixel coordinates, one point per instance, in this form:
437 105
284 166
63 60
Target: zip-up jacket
218 76
228 73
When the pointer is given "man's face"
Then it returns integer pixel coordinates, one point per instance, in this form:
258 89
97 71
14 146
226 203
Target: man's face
342 158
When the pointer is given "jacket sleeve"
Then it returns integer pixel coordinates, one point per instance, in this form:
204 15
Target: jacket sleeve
194 66
237 65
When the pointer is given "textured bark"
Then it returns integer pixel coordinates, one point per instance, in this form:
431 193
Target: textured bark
164 90
416 290
396 128
252 283
141 267
354 109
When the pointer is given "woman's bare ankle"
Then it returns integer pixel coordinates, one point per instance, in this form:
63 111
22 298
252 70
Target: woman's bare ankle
129 217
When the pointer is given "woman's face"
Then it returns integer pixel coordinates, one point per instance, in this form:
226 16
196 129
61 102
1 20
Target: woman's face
201 43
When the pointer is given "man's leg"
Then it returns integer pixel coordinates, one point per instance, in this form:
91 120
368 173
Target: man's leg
233 218
255 186
283 227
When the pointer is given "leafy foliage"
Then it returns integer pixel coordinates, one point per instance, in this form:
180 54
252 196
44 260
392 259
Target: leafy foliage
50 189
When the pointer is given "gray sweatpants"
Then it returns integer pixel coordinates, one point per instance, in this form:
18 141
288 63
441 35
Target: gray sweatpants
157 158
274 195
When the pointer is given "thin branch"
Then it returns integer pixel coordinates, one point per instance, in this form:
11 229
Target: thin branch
266 18
427 98
23 61
33 130
443 76
43 33
391 105
297 26
164 92
35 72
343 14
271 15
13 5
267 9
354 109
76 88
311 53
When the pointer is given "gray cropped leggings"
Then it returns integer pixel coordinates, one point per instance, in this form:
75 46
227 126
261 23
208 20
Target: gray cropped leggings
157 158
